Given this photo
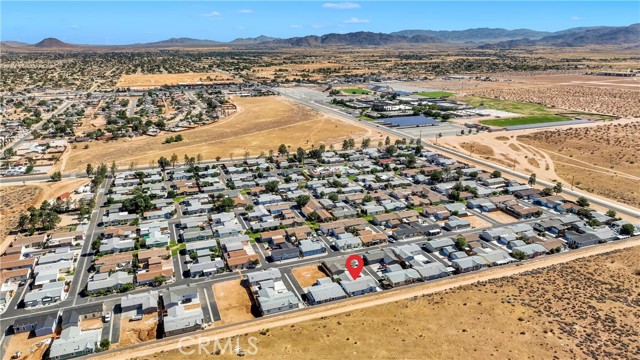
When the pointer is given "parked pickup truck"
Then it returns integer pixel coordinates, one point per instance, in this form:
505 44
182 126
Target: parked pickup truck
136 318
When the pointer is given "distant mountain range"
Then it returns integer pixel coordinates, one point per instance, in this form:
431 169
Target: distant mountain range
483 38
603 35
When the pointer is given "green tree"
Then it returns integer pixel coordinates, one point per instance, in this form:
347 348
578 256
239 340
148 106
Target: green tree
391 149
271 186
164 163
56 176
89 169
519 255
367 198
582 201
282 149
532 179
302 200
496 174
387 141
333 197
612 213
627 229
300 154
461 243
557 188
139 203
226 204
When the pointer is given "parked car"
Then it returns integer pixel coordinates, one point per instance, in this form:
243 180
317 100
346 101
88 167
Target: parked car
107 316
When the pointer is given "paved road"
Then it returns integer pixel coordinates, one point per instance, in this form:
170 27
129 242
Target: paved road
306 100
39 125
361 302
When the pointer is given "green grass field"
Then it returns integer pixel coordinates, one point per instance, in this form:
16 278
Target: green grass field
435 94
525 120
356 91
510 106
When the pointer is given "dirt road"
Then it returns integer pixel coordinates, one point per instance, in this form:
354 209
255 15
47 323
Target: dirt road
362 302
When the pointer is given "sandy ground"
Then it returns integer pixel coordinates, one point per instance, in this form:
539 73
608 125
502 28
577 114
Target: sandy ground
14 199
17 198
91 324
594 156
135 332
31 348
154 80
477 223
233 302
500 217
260 124
307 275
497 296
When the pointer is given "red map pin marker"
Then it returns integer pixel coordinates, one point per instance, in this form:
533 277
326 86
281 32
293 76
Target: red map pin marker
355 271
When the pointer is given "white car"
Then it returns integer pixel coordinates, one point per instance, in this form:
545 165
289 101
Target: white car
107 316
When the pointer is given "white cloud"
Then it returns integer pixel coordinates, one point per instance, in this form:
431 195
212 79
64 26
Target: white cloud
296 26
74 26
213 15
341 5
246 11
355 20
576 18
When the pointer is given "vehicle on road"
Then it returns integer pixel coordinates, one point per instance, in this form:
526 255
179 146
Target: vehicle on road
107 316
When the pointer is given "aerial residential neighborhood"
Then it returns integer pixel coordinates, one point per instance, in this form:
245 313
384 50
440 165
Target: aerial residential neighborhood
319 179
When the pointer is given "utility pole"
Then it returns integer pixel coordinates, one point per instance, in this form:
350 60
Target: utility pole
572 179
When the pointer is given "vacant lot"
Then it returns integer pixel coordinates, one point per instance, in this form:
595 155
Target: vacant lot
154 80
134 332
91 324
31 348
477 223
602 160
260 124
307 275
500 217
233 302
525 120
15 199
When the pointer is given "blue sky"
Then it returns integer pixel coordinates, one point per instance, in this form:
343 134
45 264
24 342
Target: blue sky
120 22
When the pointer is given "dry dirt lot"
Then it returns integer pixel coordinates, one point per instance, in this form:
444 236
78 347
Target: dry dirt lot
31 348
583 309
260 124
15 199
308 274
599 157
500 217
154 80
135 332
91 324
603 160
233 302
476 222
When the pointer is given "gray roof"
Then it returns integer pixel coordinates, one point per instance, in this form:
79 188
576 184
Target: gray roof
269 274
117 278
144 300
361 283
54 289
431 269
72 340
325 291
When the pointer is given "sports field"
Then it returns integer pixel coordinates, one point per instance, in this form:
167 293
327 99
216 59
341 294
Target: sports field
525 120
356 91
435 94
510 106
